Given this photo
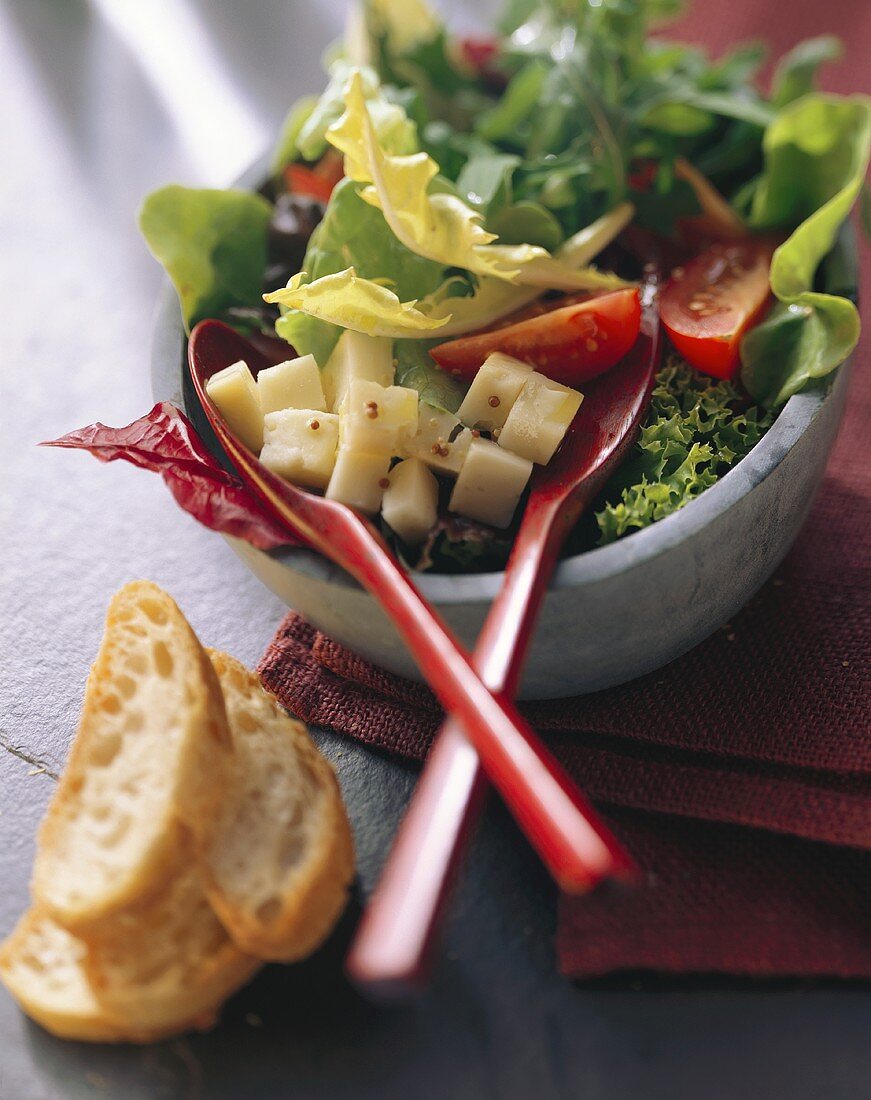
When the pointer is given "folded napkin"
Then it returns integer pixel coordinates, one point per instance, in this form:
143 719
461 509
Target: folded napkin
739 776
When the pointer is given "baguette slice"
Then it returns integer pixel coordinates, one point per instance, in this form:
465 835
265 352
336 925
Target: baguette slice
42 966
152 752
281 857
168 965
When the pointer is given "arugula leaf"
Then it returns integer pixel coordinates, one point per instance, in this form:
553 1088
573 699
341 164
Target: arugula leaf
796 71
485 181
415 368
816 156
518 103
213 245
696 429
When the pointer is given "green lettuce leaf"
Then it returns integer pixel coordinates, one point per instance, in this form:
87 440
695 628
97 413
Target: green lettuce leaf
287 149
415 368
696 430
816 157
213 245
354 234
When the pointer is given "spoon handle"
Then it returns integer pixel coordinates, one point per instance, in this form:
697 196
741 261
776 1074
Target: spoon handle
573 843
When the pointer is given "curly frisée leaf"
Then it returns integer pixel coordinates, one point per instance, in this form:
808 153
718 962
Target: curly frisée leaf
696 430
363 305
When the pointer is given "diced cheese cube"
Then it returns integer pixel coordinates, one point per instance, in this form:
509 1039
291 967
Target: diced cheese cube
493 392
234 391
378 418
356 357
359 479
540 418
410 503
294 384
300 445
441 441
490 483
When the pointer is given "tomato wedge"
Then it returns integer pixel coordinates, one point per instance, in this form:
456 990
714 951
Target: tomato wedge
317 182
710 302
570 344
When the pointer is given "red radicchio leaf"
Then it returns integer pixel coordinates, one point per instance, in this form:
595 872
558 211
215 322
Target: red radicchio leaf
166 442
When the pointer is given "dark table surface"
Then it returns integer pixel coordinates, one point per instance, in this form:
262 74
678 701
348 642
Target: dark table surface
103 101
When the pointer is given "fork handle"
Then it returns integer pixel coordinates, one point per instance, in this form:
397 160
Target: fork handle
391 955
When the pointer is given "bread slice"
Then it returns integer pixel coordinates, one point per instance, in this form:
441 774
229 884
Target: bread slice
168 965
41 965
152 752
281 856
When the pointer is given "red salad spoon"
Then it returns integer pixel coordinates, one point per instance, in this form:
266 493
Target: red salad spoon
575 846
392 952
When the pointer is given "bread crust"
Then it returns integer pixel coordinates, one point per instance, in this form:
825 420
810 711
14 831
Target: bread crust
197 762
309 900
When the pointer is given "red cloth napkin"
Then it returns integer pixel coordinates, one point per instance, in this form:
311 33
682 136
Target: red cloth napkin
740 775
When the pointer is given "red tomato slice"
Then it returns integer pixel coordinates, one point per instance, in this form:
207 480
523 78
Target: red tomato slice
710 302
570 345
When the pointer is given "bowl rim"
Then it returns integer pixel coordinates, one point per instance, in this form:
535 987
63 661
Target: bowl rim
168 347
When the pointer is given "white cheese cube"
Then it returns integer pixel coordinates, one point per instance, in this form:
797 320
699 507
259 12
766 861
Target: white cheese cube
300 445
356 357
411 499
540 418
294 384
234 391
359 479
490 483
441 441
493 392
378 418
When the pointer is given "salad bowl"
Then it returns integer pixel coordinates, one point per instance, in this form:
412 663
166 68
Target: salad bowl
612 613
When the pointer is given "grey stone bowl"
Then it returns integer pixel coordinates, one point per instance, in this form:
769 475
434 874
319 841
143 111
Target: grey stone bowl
612 613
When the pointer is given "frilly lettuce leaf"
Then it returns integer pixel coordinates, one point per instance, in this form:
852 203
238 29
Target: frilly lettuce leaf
436 224
696 430
816 156
448 307
353 234
212 244
363 305
392 125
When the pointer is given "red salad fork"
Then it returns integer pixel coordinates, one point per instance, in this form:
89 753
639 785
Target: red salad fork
577 848
392 951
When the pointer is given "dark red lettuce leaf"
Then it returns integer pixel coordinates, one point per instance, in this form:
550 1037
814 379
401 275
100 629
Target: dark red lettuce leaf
166 442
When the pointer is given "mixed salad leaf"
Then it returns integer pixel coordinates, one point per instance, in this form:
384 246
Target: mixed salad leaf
460 181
